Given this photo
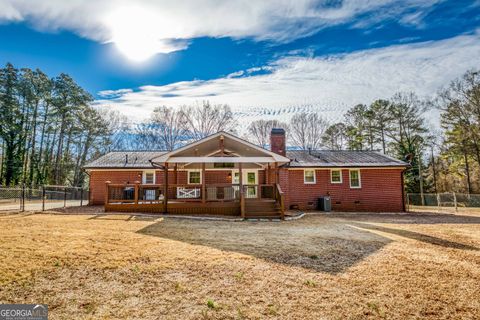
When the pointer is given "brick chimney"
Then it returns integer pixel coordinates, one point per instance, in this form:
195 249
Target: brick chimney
277 141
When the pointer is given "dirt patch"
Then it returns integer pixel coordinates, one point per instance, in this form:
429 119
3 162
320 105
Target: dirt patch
318 267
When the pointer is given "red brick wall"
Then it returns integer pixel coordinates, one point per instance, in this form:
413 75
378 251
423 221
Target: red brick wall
98 179
381 190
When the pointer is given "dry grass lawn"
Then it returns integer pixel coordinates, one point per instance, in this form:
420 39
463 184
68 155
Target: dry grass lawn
337 266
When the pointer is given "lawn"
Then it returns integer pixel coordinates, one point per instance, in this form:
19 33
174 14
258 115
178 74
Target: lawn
320 267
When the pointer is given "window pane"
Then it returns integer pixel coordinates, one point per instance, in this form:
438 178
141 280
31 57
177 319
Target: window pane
251 177
236 177
149 177
336 176
194 177
354 179
223 165
309 175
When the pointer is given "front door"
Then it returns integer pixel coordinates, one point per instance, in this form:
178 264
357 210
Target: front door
250 177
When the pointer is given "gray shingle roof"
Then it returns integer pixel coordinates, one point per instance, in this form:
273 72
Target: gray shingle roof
118 160
329 158
317 158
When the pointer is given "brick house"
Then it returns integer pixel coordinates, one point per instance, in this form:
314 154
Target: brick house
223 174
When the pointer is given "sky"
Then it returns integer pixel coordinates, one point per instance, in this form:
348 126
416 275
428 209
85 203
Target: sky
266 59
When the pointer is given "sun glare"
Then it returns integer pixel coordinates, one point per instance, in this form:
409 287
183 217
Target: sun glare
133 33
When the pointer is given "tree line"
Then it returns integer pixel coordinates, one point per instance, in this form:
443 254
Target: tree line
445 159
49 130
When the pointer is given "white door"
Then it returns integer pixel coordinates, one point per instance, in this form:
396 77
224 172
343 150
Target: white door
250 177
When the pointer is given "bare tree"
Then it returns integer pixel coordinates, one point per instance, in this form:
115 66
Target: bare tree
259 130
206 119
170 125
146 137
307 129
119 127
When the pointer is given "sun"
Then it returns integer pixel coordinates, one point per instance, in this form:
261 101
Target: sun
133 33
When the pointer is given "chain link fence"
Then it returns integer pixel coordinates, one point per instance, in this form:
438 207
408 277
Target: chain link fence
42 198
445 202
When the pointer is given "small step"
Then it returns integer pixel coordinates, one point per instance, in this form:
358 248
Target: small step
261 209
262 215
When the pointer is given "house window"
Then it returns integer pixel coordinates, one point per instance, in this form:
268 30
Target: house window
194 177
309 176
149 177
224 165
336 176
355 181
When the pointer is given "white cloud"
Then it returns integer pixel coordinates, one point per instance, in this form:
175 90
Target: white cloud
328 84
109 94
144 27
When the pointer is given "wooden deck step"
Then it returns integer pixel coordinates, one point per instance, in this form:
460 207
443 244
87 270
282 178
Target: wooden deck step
260 216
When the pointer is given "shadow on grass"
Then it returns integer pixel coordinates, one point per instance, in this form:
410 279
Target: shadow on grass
123 217
316 247
417 236
410 218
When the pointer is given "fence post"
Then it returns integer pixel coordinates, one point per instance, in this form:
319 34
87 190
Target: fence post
43 197
455 202
64 197
22 200
438 200
81 197
408 202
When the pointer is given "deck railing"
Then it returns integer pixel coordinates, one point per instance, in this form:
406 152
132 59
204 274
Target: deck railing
155 193
279 197
259 191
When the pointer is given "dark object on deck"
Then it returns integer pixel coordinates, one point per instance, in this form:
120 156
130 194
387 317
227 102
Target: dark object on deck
129 193
324 204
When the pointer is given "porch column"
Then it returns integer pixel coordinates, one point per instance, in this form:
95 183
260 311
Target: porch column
267 173
276 173
107 192
136 190
175 177
204 196
165 188
242 198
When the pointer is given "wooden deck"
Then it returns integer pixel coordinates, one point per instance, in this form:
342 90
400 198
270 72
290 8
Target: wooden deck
247 201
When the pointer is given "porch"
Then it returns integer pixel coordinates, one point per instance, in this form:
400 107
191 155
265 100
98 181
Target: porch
245 201
220 174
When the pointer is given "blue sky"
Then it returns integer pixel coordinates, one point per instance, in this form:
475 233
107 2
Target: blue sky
264 58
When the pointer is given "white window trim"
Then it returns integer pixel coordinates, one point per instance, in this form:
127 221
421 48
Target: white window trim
144 176
359 179
314 176
331 176
194 170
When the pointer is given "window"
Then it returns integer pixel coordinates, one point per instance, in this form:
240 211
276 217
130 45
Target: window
309 176
194 177
236 177
224 165
355 181
149 177
336 176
